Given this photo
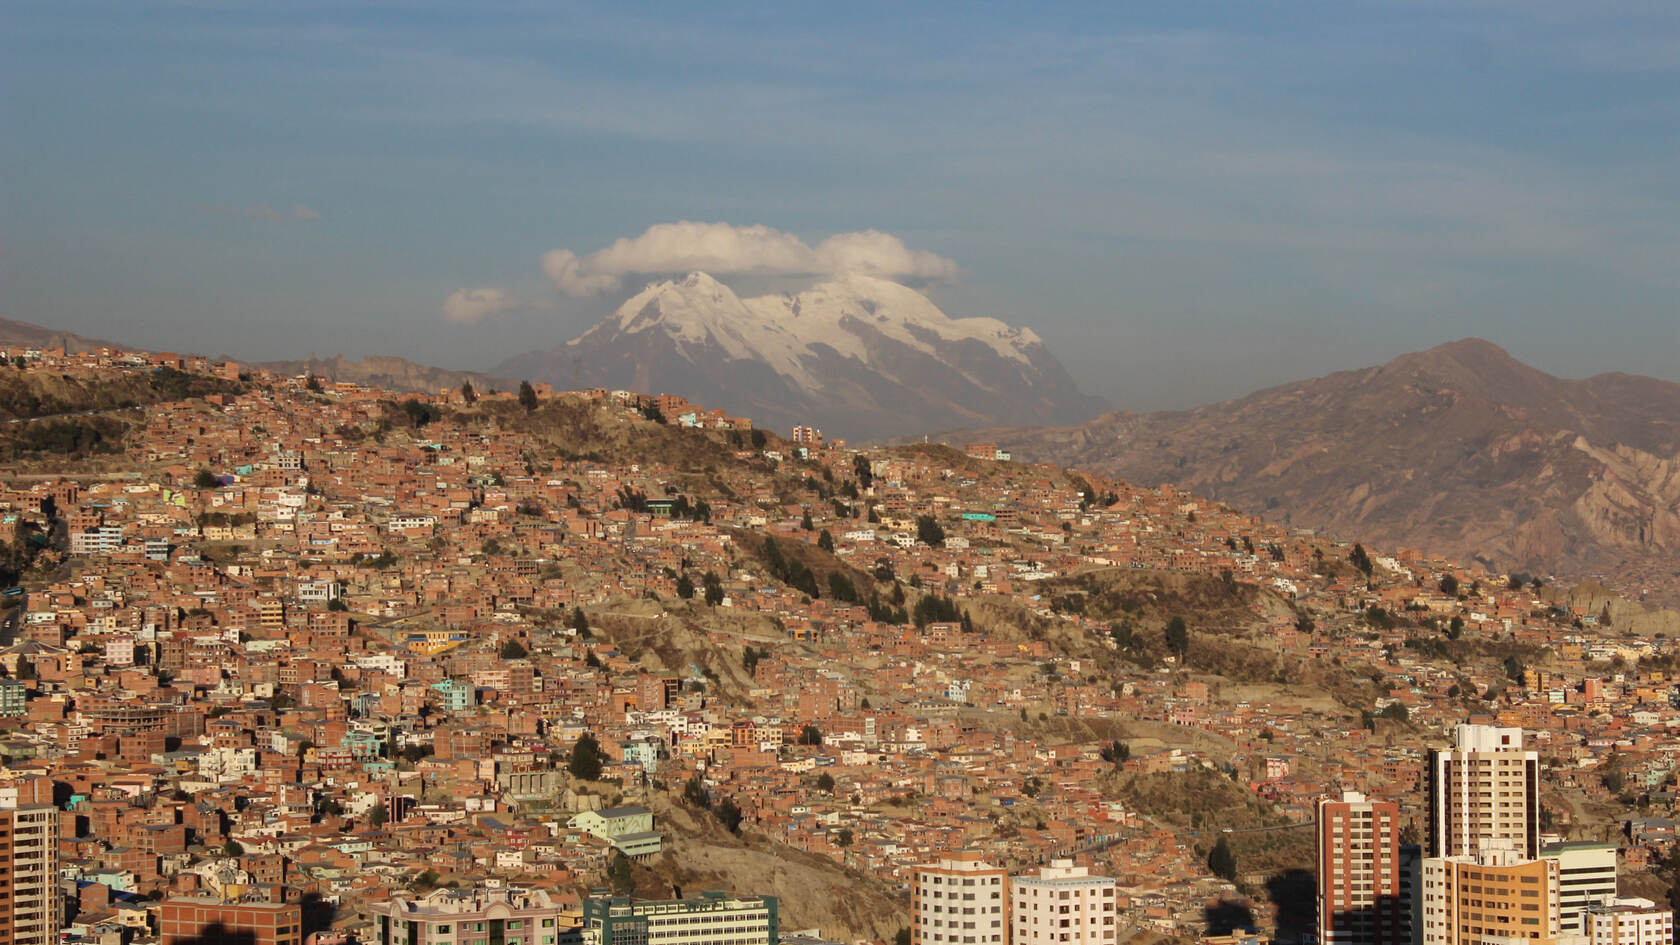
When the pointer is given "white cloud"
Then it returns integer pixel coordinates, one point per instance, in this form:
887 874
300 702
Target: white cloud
722 249
471 306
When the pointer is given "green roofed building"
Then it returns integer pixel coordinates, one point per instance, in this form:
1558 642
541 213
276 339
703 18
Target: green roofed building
712 919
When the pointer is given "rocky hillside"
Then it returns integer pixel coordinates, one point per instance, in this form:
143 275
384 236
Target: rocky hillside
1460 450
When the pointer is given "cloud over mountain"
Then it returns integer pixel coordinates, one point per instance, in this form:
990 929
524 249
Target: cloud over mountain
724 249
471 306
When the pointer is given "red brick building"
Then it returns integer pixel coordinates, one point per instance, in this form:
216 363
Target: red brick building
192 921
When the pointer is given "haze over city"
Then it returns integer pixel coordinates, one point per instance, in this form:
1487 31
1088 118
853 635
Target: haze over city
571 473
1185 202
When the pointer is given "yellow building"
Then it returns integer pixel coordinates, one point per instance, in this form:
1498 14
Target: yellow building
1497 897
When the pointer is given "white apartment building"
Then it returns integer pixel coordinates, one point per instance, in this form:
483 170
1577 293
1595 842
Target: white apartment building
1484 788
959 901
1629 922
1587 874
1062 905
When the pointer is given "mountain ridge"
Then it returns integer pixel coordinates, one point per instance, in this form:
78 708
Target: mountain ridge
14 332
1461 449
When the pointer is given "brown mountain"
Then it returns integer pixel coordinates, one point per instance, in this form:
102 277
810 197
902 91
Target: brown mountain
380 371
1460 450
393 373
24 333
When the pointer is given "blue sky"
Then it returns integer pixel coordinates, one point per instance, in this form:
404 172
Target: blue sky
1187 200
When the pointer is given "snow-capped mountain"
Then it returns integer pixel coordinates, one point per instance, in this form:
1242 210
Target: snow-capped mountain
858 356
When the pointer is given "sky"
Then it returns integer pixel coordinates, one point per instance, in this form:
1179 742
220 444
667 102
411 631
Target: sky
1187 201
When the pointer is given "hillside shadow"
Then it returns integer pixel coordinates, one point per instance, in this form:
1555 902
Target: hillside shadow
216 933
1227 916
1294 894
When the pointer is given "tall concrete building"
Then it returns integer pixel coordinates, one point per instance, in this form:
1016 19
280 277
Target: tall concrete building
1486 787
1587 874
31 908
960 900
1359 890
1062 903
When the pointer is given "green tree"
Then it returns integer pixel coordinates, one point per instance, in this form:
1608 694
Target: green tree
206 480
585 761
825 541
840 588
513 650
1178 637
750 658
467 393
377 816
527 396
825 783
928 531
810 735
685 586
843 838
580 622
730 814
233 848
714 588
695 792
623 883
1361 560
1449 585
805 521
1222 862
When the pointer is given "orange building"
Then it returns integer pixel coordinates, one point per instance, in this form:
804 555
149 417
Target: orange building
1359 899
29 897
1497 896
195 921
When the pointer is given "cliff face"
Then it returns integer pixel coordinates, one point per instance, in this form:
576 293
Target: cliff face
1460 450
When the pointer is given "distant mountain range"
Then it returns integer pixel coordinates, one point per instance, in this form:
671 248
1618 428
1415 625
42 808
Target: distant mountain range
857 356
393 373
23 333
1461 450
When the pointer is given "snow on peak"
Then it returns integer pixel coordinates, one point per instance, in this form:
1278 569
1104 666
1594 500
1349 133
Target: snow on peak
784 331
